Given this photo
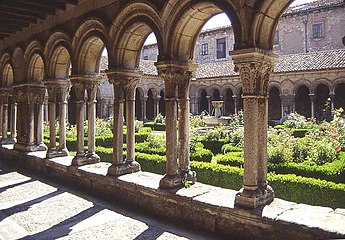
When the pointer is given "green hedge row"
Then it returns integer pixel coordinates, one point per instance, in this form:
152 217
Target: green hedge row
289 187
201 155
214 145
155 126
226 148
334 171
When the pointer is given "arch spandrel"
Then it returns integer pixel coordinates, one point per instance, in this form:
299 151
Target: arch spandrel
300 83
129 31
88 43
321 81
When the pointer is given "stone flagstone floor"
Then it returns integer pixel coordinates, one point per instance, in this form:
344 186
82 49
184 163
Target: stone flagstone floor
32 208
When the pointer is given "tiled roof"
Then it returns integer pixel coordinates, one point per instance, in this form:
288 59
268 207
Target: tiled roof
313 61
323 60
313 5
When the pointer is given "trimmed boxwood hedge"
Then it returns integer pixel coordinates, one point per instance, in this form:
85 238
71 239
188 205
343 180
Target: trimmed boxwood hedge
155 126
289 187
226 148
201 155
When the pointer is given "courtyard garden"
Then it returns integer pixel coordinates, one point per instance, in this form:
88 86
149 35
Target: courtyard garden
306 159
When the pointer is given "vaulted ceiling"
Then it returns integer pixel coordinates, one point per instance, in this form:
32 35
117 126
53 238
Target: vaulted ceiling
18 14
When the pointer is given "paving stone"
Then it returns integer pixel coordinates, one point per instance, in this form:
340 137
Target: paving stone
218 197
276 208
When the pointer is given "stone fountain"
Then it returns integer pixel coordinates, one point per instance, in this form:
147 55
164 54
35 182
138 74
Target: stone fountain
216 117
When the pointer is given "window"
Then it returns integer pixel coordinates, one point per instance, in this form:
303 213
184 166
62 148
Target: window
204 49
146 58
221 48
276 38
318 30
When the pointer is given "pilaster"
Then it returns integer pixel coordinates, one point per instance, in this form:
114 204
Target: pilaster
254 67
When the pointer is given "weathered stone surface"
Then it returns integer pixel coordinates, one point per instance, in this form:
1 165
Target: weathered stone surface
204 206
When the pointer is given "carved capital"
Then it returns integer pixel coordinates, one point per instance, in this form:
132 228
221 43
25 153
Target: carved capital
176 75
30 93
254 67
57 89
124 81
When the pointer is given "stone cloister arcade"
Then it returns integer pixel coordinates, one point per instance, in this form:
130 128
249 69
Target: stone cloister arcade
62 60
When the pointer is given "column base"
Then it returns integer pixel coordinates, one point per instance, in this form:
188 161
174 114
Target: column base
171 181
41 147
188 176
254 199
124 168
81 160
29 147
8 141
53 153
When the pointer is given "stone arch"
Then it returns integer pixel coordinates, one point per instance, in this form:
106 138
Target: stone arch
18 66
89 40
264 22
320 81
35 61
287 86
129 31
301 82
213 89
336 82
6 69
203 101
58 51
274 103
186 19
274 85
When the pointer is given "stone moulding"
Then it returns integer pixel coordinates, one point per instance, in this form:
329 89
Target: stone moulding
208 207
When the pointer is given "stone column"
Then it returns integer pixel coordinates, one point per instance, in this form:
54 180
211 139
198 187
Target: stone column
143 102
62 101
89 83
30 97
39 105
52 120
1 114
312 100
183 78
4 112
332 98
234 97
13 129
57 96
254 67
92 88
124 81
176 77
157 104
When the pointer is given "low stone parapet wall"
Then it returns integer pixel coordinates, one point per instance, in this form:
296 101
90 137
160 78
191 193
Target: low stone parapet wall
208 207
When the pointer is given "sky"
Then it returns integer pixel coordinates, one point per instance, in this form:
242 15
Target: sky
219 20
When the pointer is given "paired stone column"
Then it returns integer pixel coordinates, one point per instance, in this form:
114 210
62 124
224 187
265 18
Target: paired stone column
124 81
57 97
177 80
287 104
312 101
254 67
90 84
30 98
143 107
209 104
